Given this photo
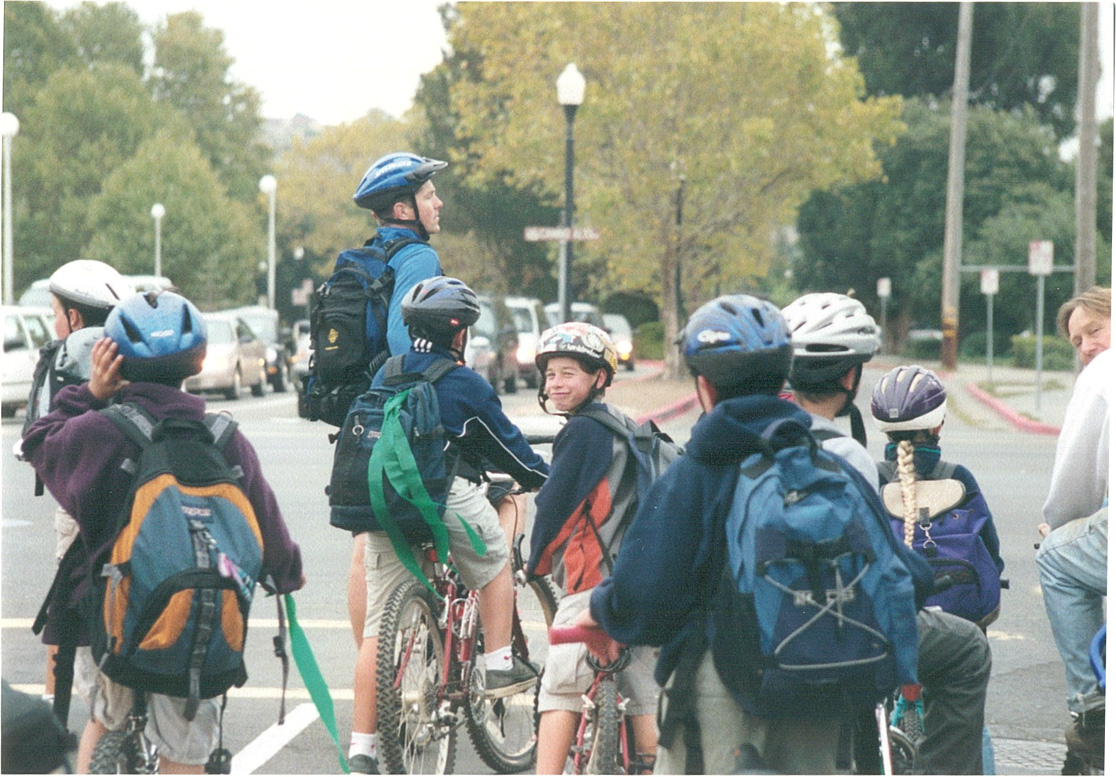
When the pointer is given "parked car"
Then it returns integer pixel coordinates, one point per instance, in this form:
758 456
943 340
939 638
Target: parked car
38 293
530 321
279 352
621 332
579 311
493 343
26 330
235 357
301 364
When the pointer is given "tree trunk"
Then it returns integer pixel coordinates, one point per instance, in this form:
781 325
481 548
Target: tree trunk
668 314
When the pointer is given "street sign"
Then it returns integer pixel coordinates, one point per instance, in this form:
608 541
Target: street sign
536 234
989 282
883 288
1040 257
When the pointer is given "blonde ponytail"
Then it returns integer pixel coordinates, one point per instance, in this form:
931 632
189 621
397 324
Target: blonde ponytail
906 470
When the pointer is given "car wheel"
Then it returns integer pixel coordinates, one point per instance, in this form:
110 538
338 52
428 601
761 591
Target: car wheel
260 385
510 384
233 391
282 379
532 380
630 366
8 411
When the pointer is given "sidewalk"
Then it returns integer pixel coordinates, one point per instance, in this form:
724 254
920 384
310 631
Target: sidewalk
1008 399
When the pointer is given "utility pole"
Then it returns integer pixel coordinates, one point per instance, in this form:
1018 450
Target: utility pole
955 190
1085 247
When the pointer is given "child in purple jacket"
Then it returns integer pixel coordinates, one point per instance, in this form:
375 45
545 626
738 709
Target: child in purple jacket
153 342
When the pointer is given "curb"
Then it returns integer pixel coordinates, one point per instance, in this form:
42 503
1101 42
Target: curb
1017 420
662 414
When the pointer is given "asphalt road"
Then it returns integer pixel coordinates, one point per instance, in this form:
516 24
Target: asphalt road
1026 697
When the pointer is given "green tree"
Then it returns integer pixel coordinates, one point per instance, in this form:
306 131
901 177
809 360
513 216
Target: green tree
192 74
850 236
82 125
106 33
317 178
1023 54
35 46
751 148
210 243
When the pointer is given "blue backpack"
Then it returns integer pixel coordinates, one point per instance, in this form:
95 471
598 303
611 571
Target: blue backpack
348 330
815 612
948 536
389 468
171 616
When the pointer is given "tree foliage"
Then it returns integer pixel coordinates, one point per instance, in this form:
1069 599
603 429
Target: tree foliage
101 140
1023 54
1017 189
744 100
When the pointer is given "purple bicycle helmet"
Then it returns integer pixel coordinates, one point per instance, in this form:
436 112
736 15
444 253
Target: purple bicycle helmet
909 399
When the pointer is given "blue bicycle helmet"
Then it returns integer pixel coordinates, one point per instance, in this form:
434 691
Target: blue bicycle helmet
737 339
392 175
160 334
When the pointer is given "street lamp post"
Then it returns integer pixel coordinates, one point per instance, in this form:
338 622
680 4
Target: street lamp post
571 93
157 213
268 185
9 128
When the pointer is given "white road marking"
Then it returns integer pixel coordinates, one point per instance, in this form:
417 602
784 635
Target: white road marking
264 747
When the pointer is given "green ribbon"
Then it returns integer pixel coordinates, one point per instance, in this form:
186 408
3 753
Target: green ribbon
392 459
312 678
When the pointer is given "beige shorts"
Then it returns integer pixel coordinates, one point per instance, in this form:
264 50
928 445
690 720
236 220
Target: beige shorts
179 740
567 676
384 572
65 532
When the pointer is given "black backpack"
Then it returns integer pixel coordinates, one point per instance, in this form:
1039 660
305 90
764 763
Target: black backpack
348 330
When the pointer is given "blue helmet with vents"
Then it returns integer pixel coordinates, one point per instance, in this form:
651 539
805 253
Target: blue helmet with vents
736 339
157 332
392 175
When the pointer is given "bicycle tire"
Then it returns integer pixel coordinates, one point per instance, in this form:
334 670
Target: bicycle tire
504 731
412 738
120 752
604 752
902 752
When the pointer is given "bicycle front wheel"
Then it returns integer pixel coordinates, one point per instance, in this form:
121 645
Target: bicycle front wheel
604 752
121 752
503 729
415 735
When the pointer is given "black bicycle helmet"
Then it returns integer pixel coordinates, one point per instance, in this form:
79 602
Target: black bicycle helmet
737 339
436 309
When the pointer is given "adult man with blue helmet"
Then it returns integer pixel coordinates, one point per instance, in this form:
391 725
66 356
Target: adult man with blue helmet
398 189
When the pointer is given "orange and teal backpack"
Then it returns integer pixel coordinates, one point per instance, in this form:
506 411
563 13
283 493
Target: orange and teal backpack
171 615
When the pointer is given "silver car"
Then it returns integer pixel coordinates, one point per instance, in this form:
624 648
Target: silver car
234 357
26 330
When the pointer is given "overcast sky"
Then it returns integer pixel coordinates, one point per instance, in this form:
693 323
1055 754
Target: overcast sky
334 60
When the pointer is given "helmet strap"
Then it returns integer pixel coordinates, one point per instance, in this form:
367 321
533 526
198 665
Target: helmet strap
414 224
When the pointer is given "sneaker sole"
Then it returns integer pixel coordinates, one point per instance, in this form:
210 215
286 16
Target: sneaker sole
511 690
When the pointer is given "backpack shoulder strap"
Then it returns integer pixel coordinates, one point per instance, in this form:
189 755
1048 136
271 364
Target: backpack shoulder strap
608 420
393 370
943 470
439 369
889 470
392 247
221 426
134 422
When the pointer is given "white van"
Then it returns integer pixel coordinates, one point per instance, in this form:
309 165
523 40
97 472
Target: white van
530 321
26 330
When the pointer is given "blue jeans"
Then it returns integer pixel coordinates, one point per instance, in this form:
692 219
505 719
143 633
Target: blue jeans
1073 572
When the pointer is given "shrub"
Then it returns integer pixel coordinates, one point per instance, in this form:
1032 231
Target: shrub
923 349
975 345
1057 353
649 340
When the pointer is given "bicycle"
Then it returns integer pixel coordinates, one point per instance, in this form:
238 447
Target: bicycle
430 678
604 743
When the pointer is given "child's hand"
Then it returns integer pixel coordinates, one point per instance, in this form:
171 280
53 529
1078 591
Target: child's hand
1044 529
105 379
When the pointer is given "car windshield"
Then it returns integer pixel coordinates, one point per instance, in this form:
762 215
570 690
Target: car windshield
219 332
486 324
523 321
618 325
265 327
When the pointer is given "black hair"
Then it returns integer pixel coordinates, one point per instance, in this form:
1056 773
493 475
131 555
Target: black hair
90 315
167 370
753 384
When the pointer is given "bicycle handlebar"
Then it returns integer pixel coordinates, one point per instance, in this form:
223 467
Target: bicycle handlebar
595 638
